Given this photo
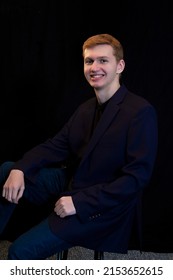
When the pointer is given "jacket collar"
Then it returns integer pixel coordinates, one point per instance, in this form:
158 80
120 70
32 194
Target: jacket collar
110 112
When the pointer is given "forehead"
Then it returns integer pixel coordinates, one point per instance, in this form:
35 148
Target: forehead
98 51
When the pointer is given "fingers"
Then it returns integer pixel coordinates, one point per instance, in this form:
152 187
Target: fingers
65 207
12 194
18 196
14 186
60 210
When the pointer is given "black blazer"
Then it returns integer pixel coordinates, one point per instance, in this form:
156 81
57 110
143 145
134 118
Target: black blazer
116 164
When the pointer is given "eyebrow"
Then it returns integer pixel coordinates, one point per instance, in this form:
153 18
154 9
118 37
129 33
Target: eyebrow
98 57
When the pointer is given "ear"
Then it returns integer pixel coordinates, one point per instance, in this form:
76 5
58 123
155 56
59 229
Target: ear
120 66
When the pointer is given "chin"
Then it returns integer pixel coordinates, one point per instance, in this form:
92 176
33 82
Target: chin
95 85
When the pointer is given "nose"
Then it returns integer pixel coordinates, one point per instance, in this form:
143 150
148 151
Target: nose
94 66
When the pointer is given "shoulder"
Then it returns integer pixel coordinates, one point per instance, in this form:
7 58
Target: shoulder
136 102
133 105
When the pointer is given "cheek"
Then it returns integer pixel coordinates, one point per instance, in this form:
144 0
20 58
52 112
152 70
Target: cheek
86 73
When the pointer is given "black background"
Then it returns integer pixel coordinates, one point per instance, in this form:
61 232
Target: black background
42 82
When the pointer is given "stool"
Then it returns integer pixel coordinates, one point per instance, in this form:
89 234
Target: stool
63 255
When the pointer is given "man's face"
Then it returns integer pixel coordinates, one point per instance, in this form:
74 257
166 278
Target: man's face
101 68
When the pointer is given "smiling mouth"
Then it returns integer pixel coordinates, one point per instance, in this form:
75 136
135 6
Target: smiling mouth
96 75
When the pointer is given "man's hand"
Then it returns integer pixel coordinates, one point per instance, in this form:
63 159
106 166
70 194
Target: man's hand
65 207
14 186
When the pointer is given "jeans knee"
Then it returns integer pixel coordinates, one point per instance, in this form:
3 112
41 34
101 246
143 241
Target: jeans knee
5 169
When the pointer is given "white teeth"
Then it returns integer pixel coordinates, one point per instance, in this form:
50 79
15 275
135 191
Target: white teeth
96 75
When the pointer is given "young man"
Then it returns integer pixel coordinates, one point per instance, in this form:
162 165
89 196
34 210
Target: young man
108 147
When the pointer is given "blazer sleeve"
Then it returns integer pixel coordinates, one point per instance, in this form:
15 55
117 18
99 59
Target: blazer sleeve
53 151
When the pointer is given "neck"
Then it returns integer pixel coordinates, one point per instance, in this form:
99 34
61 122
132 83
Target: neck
103 95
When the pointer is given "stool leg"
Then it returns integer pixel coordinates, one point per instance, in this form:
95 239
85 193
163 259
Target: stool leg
98 255
62 255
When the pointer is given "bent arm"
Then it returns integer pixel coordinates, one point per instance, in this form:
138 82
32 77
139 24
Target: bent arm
135 174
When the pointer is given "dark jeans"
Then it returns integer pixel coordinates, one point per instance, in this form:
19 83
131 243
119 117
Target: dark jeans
49 183
38 243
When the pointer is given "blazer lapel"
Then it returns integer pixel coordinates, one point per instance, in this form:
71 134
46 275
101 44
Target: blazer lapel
110 112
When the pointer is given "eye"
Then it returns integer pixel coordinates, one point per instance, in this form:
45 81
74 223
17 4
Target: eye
103 60
88 61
